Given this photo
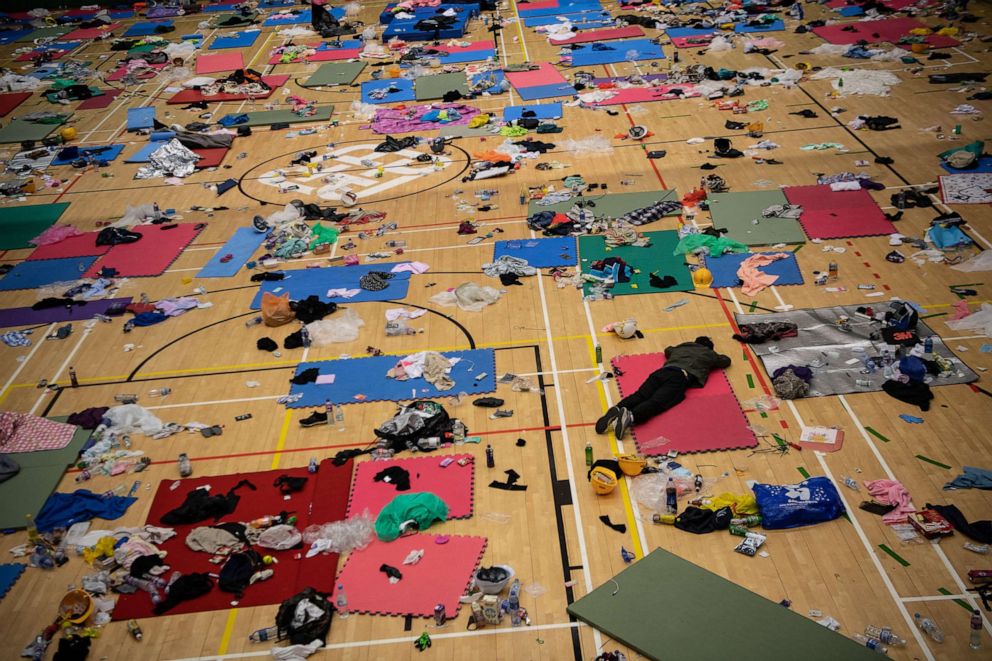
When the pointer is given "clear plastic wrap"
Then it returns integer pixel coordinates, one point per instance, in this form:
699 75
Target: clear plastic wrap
467 296
594 144
340 536
343 327
130 418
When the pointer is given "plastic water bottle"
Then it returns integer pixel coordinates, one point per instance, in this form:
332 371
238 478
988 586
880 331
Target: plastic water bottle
458 432
339 416
929 627
850 483
928 345
588 453
871 643
885 635
262 635
671 497
341 601
975 642
160 392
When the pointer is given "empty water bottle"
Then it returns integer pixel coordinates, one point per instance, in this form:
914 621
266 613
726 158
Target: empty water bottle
159 392
885 635
873 644
262 635
254 321
850 483
339 416
929 627
341 601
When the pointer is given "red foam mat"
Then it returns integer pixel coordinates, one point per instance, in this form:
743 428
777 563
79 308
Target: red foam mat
90 33
441 576
330 55
322 500
100 102
726 426
887 29
219 62
838 215
605 34
453 484
150 255
697 41
83 245
645 94
545 74
192 96
8 102
210 157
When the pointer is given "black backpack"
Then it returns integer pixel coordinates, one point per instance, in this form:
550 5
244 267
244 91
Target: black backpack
901 316
238 570
314 628
436 422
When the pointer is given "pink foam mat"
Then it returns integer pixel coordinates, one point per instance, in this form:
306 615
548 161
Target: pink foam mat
680 428
151 255
696 41
601 35
219 62
192 95
99 102
838 215
889 29
83 245
645 94
122 71
330 55
90 33
53 53
545 74
453 484
441 576
821 198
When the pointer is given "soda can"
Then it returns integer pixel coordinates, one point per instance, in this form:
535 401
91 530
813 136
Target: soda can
440 617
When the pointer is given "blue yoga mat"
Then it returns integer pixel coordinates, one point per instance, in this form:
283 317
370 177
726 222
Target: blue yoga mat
466 56
302 17
221 7
387 15
678 33
584 20
774 26
145 29
563 8
545 91
9 573
301 283
9 37
264 4
108 155
405 92
60 45
724 269
236 40
140 118
645 50
143 155
241 246
367 376
406 28
540 253
31 275
541 110
984 165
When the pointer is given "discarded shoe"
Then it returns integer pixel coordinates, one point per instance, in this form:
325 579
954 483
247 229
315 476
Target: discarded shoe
314 419
488 402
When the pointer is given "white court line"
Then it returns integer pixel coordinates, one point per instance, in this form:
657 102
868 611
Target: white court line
214 401
406 640
58 373
935 597
38 340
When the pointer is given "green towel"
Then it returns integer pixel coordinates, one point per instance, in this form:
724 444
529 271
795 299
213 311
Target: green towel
423 508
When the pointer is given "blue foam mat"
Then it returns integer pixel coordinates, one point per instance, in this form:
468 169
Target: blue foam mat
563 8
146 28
851 11
367 376
10 36
497 76
406 28
60 46
140 118
541 111
303 17
467 56
984 165
108 155
241 246
387 15
774 26
301 283
645 50
584 20
540 253
222 7
405 93
545 91
9 573
143 154
31 275
724 269
689 32
236 40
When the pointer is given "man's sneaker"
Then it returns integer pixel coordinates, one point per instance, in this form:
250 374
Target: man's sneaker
502 413
604 423
624 421
260 225
185 467
314 419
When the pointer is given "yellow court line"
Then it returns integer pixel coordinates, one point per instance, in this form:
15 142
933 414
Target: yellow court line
262 49
225 639
283 433
628 509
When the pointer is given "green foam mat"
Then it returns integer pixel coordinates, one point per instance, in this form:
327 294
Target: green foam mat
665 607
428 88
42 33
335 73
19 130
41 472
612 204
18 225
462 131
736 212
267 117
656 258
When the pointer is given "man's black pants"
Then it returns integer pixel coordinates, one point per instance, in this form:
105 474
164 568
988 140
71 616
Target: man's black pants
663 389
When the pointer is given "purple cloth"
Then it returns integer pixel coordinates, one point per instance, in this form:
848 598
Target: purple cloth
88 418
389 121
11 317
162 12
651 78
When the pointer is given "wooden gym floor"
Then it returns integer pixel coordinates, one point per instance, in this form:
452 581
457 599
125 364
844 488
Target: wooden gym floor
550 533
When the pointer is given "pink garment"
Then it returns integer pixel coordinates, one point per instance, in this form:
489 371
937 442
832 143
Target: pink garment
754 279
960 310
393 120
891 492
412 267
23 432
55 234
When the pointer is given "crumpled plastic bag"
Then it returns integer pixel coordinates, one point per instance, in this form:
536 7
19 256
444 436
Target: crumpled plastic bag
980 321
276 310
980 262
467 296
341 327
280 537
130 418
594 144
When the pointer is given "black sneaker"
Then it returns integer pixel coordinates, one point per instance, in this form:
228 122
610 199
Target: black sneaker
624 421
314 419
604 423
259 224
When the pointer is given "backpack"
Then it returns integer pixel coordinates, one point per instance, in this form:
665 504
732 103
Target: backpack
901 316
238 570
312 626
420 419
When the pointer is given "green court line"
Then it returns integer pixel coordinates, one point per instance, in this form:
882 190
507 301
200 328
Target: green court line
966 284
745 354
754 306
798 248
803 472
876 434
763 414
932 461
895 556
750 384
778 439
960 602
935 314
844 514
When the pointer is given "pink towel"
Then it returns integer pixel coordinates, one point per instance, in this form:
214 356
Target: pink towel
754 279
891 492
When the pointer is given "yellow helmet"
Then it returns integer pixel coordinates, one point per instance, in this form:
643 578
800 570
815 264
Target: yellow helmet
631 464
603 480
68 133
702 278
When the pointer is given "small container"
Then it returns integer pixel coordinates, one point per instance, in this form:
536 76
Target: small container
588 453
440 616
832 271
667 519
490 458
